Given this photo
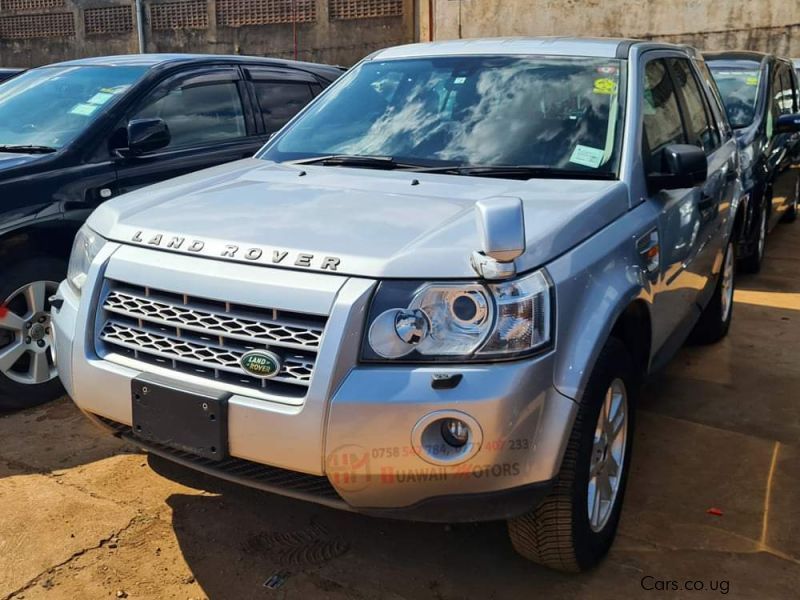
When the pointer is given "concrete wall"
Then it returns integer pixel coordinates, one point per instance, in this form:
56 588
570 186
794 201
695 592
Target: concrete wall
765 25
35 32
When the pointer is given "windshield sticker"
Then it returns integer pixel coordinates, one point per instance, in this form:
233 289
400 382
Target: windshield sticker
100 98
751 81
587 156
115 90
605 86
459 80
84 109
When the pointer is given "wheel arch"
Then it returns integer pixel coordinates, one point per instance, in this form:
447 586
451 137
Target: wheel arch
628 319
633 327
51 238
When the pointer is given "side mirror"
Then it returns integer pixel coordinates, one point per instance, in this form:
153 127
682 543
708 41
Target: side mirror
788 123
146 135
682 166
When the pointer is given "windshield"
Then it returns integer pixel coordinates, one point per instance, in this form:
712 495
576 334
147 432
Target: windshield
561 113
738 86
51 106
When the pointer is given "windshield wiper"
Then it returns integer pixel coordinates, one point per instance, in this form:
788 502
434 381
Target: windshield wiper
27 149
519 172
501 171
363 161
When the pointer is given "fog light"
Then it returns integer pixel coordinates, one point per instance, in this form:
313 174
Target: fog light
446 437
455 432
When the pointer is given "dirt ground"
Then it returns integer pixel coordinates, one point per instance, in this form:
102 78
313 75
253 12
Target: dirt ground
83 515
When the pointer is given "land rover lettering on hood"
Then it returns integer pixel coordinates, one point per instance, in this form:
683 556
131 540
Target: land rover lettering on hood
433 295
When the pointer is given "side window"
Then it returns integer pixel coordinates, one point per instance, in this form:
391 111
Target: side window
280 101
662 118
198 114
699 127
716 98
786 102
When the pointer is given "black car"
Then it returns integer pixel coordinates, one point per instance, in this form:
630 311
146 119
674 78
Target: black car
9 73
76 133
760 93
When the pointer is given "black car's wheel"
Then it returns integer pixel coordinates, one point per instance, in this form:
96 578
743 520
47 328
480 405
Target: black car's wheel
27 373
573 529
715 321
752 262
790 216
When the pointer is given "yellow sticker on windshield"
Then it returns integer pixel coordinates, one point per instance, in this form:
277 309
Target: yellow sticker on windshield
751 81
605 86
84 109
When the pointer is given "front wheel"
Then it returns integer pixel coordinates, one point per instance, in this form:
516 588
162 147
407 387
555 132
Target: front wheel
715 321
574 527
752 262
790 216
27 373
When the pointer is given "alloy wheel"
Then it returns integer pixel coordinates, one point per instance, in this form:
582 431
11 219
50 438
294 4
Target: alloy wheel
26 334
796 194
728 272
608 455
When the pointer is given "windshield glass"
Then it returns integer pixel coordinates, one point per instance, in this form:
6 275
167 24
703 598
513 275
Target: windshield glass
738 86
51 106
561 113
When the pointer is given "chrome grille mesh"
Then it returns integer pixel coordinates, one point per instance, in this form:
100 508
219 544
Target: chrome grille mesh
238 326
207 338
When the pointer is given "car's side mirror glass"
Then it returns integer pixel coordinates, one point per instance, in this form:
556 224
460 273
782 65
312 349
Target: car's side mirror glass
788 124
682 166
147 135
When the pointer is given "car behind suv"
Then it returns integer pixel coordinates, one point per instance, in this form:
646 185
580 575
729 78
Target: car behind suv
8 73
761 96
75 134
433 295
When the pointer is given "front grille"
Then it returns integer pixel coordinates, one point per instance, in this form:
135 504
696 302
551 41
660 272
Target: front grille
315 488
207 338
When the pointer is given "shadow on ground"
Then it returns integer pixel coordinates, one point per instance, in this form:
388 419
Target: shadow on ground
64 439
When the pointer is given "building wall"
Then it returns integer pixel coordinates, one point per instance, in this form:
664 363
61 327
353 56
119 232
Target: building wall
36 32
764 25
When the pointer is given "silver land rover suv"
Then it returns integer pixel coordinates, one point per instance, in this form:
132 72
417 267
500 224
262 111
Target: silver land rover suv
433 295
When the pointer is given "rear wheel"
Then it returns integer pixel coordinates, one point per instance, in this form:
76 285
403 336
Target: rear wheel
27 373
715 321
752 263
573 529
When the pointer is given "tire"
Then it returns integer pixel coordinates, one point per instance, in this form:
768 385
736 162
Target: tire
715 320
558 533
790 216
752 262
27 375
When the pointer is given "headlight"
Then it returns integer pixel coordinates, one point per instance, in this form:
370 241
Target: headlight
85 247
459 321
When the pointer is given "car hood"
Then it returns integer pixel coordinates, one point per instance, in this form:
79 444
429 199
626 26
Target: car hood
353 221
13 159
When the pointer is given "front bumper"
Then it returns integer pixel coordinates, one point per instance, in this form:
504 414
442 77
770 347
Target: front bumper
354 430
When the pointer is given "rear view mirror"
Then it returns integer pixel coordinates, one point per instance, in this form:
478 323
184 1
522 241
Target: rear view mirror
788 123
682 166
147 135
